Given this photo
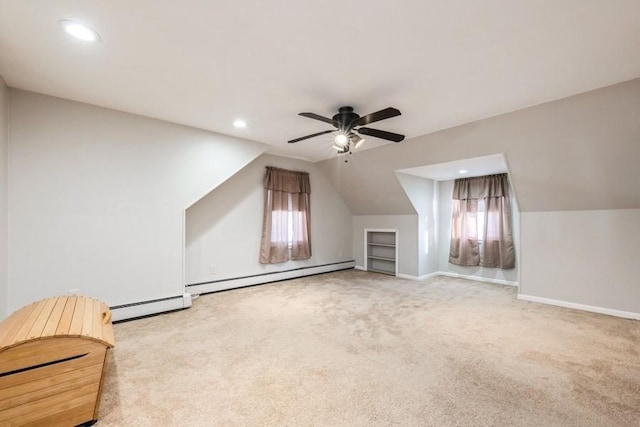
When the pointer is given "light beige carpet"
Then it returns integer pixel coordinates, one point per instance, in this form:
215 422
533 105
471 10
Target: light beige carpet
362 349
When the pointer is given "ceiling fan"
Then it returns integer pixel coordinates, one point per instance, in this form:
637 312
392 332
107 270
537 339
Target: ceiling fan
349 126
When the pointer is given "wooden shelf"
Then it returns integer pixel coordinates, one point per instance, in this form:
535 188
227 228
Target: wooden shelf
381 252
382 258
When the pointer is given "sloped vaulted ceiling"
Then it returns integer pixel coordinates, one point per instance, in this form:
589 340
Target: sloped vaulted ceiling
207 63
578 153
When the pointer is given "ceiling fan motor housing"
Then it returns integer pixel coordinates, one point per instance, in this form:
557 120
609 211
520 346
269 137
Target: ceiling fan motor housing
344 118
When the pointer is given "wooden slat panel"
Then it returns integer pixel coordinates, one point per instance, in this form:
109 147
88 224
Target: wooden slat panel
72 417
55 404
91 358
67 315
54 320
102 377
107 328
74 316
47 386
37 353
96 332
78 316
48 345
28 323
89 318
10 326
42 319
60 393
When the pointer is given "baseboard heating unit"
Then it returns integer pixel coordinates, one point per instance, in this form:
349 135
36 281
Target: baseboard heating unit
274 276
147 308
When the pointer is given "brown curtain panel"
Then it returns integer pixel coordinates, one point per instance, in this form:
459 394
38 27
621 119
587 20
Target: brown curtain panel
491 246
464 249
286 216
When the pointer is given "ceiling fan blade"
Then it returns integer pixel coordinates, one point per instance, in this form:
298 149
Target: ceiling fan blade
395 137
318 117
310 136
387 113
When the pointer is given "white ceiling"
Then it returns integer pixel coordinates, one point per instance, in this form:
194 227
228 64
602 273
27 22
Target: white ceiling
205 63
476 166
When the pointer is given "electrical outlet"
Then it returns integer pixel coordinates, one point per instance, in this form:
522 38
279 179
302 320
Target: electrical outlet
74 291
212 269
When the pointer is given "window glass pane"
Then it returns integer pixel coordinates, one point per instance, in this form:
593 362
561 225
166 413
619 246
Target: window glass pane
288 226
278 223
300 223
494 218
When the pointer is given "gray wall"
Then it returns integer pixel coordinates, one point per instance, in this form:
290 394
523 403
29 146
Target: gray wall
97 198
407 226
575 154
90 188
4 290
224 228
578 153
586 257
511 275
422 195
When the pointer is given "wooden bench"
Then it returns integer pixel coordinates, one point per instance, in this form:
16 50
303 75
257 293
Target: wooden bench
52 362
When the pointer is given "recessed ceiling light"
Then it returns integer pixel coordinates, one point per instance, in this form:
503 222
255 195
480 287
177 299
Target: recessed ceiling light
80 31
462 171
240 124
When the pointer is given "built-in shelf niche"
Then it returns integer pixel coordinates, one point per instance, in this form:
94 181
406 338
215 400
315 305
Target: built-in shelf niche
381 250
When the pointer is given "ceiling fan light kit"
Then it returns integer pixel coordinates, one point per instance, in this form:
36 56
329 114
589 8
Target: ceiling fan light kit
350 126
341 139
357 141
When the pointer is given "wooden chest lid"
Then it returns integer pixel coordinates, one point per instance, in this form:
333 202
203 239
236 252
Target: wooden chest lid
66 316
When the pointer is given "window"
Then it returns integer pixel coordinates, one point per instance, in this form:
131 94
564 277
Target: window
292 220
277 218
286 224
481 223
474 223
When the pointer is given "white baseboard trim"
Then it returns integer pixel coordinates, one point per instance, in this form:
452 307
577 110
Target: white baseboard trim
360 267
449 274
257 279
419 278
146 308
583 307
477 278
